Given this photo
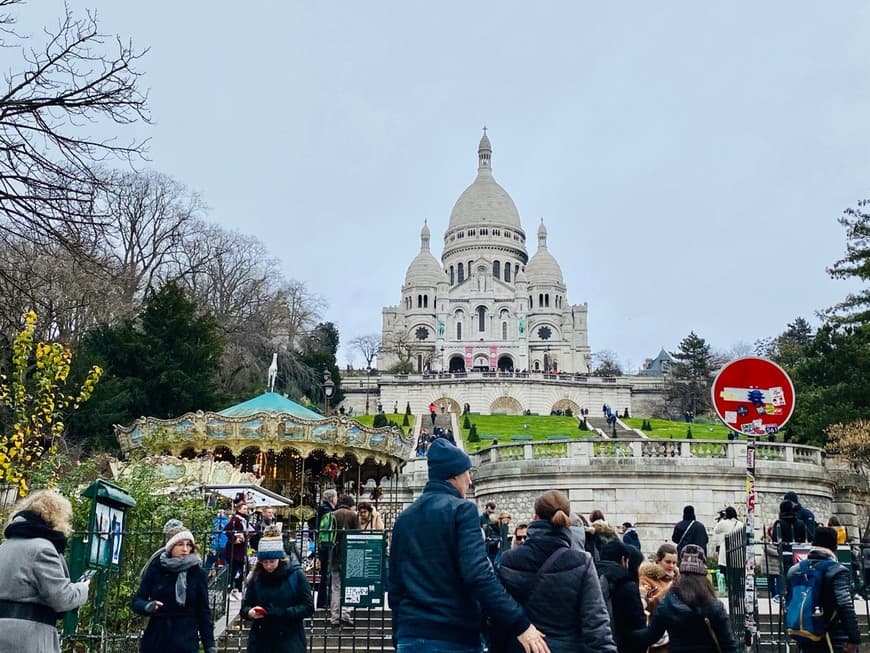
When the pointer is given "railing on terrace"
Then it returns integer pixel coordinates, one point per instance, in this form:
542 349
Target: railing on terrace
500 375
590 452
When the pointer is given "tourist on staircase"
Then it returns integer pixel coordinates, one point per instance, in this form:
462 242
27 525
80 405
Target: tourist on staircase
277 599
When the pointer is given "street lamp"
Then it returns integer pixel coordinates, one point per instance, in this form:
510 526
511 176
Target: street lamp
368 380
328 389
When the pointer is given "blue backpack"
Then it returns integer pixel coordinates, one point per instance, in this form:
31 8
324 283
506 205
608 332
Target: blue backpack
805 618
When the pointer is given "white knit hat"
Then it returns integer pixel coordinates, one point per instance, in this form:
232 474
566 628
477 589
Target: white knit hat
180 536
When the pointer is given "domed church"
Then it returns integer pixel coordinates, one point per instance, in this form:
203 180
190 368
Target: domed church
486 306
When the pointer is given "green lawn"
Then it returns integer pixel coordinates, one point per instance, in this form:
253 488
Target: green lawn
504 427
398 418
665 429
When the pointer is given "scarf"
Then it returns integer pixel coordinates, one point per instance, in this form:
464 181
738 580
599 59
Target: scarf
180 566
28 525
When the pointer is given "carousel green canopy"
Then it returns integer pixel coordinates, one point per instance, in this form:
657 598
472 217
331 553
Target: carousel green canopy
291 447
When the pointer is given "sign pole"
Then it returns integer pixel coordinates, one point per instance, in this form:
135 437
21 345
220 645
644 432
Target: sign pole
749 597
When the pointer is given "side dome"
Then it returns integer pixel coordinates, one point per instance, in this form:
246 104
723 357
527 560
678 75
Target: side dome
425 270
484 201
542 267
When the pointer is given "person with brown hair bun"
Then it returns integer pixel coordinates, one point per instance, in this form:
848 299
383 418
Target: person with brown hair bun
556 585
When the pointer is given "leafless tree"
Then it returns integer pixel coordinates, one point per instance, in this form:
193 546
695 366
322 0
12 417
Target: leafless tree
71 78
153 220
402 345
368 346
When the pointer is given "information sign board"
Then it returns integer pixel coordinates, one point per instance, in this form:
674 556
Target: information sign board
362 572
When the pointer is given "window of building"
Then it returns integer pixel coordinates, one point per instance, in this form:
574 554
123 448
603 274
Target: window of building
459 330
496 270
425 301
547 300
481 319
507 271
419 301
540 300
451 275
460 272
472 232
484 232
504 328
531 303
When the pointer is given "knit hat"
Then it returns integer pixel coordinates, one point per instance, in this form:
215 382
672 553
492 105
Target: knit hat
693 560
179 536
825 537
791 496
271 548
446 461
171 527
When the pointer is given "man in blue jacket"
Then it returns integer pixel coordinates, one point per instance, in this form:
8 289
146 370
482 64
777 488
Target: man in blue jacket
802 513
440 577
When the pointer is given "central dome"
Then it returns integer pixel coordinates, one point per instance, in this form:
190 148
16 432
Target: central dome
484 201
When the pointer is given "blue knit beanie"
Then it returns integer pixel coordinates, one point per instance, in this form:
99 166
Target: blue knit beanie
446 461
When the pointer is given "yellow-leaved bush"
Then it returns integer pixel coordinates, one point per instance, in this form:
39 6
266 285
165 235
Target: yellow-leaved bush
34 400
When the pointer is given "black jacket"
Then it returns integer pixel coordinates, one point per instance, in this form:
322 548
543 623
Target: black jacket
566 603
788 528
696 535
686 627
628 613
174 628
287 604
836 594
440 577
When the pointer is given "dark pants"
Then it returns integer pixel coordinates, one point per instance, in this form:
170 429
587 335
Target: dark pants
324 587
237 573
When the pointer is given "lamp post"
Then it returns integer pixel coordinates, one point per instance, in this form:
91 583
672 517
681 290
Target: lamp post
328 389
368 380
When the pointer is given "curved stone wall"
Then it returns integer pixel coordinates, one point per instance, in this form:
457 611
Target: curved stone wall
647 482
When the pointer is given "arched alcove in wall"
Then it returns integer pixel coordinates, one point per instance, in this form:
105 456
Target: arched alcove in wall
506 405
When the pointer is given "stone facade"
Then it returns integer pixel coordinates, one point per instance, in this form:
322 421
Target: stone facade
486 305
649 482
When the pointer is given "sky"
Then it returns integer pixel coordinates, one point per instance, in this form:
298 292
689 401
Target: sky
690 160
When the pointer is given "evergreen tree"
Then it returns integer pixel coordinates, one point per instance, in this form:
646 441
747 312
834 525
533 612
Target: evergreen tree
472 434
855 309
163 363
692 374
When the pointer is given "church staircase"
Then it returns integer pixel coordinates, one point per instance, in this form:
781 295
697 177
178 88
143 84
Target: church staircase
613 431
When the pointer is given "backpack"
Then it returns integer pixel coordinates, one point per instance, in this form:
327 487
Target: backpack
805 619
326 530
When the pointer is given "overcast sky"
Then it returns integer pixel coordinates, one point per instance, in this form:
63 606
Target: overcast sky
690 159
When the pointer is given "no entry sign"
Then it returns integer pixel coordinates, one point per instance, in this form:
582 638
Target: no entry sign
753 396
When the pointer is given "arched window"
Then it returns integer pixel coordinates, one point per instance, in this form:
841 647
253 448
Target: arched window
496 270
547 300
504 330
451 275
460 271
459 330
481 319
531 303
425 301
507 271
540 300
419 301
516 271
537 366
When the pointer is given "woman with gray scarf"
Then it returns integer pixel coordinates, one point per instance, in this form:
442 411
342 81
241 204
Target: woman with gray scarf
174 594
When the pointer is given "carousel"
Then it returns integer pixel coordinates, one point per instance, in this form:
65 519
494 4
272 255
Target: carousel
286 448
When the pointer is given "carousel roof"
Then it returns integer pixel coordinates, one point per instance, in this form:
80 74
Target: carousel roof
269 402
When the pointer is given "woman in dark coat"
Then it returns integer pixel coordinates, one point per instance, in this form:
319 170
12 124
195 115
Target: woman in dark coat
173 593
690 612
277 599
556 585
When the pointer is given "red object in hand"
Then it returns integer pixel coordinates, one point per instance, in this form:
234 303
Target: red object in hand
259 610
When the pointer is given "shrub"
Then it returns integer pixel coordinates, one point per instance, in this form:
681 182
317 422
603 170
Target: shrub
380 421
408 409
582 425
406 420
569 412
466 423
689 433
472 434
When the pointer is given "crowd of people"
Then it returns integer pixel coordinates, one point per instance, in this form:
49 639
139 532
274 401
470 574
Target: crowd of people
457 581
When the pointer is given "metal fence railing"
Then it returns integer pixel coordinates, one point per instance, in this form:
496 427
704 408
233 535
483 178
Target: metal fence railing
772 561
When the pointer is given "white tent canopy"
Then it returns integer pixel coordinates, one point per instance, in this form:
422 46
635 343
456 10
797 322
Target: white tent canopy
254 494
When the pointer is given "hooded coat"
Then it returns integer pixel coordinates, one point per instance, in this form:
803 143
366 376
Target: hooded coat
566 603
598 534
34 573
628 613
687 532
287 598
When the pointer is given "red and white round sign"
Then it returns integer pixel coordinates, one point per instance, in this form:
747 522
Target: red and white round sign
753 396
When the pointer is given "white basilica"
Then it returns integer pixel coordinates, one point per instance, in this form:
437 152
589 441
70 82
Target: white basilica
487 305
